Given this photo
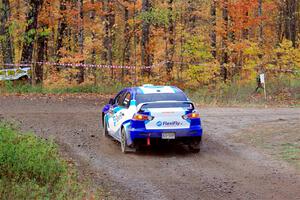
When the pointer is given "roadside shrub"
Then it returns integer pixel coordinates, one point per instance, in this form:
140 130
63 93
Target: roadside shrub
31 168
27 157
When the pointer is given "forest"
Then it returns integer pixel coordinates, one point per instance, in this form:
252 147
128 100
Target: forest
190 43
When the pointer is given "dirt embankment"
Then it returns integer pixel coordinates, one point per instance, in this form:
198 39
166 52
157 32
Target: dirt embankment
224 168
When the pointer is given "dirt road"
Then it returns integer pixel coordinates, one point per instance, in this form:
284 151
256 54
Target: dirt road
223 169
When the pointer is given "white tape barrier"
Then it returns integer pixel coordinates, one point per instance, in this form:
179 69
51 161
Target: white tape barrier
23 70
82 65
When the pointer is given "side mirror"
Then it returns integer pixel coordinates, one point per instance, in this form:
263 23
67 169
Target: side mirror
111 101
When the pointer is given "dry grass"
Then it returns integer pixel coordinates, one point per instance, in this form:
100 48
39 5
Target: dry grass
280 139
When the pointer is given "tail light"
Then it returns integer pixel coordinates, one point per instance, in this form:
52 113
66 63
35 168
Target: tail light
141 117
193 115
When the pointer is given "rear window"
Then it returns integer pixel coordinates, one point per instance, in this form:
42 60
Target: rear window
184 105
143 98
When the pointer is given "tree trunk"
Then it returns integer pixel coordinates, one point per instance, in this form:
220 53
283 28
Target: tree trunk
127 38
62 30
6 41
291 21
260 36
171 40
81 42
38 72
245 31
191 18
224 57
31 30
213 34
93 59
109 21
146 57
92 17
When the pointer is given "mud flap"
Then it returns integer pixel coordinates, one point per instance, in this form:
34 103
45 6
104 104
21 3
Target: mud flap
128 137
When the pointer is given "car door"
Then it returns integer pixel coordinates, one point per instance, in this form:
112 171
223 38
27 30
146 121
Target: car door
117 115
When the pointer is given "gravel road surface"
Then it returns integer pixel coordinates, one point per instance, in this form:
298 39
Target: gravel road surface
222 170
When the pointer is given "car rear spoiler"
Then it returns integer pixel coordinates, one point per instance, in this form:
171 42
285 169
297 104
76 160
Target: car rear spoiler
142 105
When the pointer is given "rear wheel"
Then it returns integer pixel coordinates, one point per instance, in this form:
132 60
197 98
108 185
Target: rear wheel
124 147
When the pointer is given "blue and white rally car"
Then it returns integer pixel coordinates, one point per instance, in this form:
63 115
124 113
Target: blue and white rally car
142 115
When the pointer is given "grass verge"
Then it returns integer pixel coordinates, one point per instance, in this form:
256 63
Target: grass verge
15 88
279 92
280 139
31 168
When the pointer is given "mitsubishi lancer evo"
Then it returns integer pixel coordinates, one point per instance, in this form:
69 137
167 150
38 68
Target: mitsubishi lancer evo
141 116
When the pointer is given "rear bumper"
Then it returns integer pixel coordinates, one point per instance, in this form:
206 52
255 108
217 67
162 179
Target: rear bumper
195 131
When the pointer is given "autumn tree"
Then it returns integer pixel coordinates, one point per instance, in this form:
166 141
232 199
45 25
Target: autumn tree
191 38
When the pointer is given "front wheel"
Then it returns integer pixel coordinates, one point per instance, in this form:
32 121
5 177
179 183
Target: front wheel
105 131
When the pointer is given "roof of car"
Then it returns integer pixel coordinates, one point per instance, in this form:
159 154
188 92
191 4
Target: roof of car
151 89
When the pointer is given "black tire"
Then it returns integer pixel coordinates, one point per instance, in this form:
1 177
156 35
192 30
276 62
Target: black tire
124 147
105 131
123 141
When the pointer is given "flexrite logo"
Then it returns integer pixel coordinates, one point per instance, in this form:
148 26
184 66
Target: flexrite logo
159 123
165 123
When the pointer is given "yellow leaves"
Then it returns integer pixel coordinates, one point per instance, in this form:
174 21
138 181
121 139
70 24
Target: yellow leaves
203 74
287 56
71 57
252 49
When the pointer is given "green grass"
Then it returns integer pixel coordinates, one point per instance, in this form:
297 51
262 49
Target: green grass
291 153
280 139
10 87
31 168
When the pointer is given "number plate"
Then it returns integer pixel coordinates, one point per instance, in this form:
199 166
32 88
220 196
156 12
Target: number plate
168 136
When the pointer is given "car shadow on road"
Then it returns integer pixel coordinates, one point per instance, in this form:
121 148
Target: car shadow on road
166 150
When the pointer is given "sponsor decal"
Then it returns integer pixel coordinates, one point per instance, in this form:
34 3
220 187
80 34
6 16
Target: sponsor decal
169 124
117 118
